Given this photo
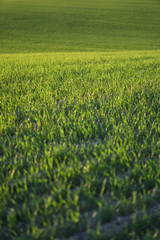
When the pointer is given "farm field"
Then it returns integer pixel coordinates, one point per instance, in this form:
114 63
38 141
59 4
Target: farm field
80 119
79 25
80 146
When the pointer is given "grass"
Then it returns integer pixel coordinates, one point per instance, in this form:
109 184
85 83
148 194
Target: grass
79 119
80 145
58 25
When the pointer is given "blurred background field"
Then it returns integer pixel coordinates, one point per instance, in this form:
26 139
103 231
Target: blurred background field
90 25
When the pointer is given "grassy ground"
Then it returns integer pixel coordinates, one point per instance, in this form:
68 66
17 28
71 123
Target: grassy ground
80 146
72 25
80 131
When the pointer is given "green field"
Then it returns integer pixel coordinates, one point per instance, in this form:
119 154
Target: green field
80 145
79 25
79 120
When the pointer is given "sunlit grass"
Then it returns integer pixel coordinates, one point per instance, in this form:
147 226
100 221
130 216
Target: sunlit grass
79 145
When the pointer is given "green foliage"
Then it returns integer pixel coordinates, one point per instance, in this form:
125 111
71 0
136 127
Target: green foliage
79 145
